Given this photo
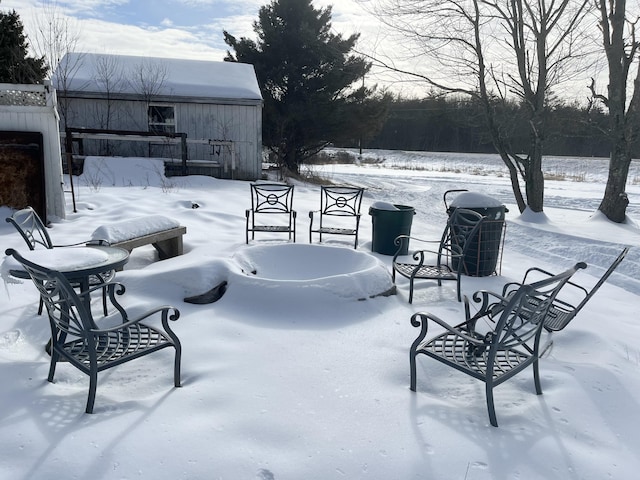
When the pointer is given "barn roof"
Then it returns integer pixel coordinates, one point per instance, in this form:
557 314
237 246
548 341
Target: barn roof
89 73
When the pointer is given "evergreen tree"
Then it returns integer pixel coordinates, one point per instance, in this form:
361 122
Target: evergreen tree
312 86
16 66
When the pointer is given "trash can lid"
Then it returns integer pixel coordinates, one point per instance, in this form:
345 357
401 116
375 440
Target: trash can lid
384 206
474 199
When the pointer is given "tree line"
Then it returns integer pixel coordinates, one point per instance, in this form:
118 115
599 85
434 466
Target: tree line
450 124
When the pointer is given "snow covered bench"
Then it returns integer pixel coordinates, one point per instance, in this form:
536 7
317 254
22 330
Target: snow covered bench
165 234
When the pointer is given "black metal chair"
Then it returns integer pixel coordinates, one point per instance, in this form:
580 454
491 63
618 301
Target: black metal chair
507 344
562 310
29 225
462 227
339 212
271 200
89 348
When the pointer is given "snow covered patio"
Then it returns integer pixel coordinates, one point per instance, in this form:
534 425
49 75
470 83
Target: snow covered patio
281 383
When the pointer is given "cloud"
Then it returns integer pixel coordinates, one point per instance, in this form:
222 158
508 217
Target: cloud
107 37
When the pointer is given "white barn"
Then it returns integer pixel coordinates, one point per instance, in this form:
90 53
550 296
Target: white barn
218 105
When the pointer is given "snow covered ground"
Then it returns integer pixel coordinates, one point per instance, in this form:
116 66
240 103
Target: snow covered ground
297 377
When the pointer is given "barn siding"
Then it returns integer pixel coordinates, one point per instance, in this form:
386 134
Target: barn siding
241 124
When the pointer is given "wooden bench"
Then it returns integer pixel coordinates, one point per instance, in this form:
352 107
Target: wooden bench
163 233
168 243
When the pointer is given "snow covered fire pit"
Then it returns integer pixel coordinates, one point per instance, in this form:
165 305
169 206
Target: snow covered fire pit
312 269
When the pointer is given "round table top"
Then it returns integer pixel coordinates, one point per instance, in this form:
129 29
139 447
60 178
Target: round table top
73 262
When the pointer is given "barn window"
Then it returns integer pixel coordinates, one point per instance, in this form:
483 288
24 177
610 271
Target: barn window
162 119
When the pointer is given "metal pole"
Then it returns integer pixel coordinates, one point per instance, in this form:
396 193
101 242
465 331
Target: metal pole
69 156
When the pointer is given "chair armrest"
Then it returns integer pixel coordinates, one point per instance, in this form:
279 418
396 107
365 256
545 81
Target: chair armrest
164 309
166 316
99 242
120 288
421 319
398 241
491 305
74 244
548 274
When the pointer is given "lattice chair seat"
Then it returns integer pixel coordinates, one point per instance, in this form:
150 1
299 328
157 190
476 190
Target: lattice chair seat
471 357
112 346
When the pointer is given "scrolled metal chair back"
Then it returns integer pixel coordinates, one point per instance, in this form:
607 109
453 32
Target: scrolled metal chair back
31 228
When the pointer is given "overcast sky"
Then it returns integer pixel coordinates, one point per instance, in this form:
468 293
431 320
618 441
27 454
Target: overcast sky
192 29
179 28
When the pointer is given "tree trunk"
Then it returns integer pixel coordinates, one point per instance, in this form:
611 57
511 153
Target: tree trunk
534 181
289 161
615 201
515 180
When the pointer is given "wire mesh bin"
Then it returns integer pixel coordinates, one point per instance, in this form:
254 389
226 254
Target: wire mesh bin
484 254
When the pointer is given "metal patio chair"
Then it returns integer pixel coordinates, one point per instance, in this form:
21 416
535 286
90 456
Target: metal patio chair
77 339
271 201
496 350
29 225
339 212
562 311
449 252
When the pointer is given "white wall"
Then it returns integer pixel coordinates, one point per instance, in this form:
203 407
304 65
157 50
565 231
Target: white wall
32 108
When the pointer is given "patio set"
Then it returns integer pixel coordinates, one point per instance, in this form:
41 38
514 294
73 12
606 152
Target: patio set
501 339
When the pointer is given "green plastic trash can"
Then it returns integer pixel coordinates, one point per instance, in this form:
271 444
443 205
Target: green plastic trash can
388 221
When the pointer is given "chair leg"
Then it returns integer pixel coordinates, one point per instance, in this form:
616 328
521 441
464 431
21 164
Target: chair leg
40 306
104 302
52 366
536 376
411 290
93 383
412 371
176 367
490 405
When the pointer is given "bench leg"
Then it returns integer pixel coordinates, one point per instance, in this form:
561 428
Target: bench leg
171 247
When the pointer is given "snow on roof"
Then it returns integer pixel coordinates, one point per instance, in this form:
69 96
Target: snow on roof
182 78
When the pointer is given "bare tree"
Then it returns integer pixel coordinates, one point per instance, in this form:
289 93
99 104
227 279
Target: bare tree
621 49
56 36
148 78
497 52
109 76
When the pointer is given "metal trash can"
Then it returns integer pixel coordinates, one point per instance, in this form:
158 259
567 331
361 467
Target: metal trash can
388 221
482 255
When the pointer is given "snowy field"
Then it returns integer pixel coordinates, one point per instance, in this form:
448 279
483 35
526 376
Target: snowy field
297 377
